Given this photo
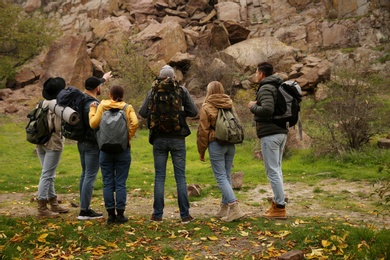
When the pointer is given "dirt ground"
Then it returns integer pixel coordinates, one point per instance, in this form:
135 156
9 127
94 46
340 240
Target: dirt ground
350 201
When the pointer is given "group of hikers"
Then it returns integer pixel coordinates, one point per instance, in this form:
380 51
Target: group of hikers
166 139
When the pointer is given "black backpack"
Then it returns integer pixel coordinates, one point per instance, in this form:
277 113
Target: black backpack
165 106
75 99
287 105
37 129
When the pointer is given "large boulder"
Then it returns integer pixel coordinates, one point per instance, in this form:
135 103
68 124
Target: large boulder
251 52
109 35
68 58
162 41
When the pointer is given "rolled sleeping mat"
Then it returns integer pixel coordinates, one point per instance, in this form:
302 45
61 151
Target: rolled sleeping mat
66 113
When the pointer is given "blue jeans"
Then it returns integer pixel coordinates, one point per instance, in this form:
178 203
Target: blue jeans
89 158
221 158
272 147
49 160
115 171
161 148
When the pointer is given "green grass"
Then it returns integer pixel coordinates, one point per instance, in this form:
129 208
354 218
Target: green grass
20 169
334 238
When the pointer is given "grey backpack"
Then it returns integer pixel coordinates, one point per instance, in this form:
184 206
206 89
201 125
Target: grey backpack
113 135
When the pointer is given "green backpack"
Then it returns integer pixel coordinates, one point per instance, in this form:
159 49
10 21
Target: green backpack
228 129
37 129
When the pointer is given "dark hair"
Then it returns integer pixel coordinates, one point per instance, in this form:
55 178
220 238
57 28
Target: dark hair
266 68
117 93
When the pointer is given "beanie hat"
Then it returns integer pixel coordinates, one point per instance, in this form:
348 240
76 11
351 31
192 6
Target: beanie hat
52 87
167 72
93 82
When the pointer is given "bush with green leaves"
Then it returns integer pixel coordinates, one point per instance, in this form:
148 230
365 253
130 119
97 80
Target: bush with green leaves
351 114
383 184
132 67
22 36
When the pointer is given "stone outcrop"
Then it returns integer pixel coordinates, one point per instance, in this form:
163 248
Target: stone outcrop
219 40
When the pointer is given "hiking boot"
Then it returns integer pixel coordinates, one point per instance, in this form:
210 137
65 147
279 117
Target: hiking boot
276 213
155 219
55 207
187 220
234 212
223 210
44 212
271 199
120 218
89 214
111 216
273 205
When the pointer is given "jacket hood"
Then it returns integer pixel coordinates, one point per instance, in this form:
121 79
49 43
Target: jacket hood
220 101
273 80
108 104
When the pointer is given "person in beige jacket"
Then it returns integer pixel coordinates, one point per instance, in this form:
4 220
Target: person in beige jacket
50 153
115 165
221 155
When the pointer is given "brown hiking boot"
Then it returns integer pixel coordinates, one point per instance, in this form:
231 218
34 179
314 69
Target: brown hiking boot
44 212
223 210
273 205
55 207
275 213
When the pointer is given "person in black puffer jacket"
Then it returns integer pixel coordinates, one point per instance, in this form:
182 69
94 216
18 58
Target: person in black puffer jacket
272 137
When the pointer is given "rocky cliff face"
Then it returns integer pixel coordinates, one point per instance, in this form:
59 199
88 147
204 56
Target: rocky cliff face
305 39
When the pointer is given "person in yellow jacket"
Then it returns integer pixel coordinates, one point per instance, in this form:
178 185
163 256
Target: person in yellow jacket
115 165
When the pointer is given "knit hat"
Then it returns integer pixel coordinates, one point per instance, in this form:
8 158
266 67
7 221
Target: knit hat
52 87
93 82
167 72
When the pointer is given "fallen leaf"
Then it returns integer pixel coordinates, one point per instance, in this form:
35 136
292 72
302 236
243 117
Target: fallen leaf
16 238
325 243
244 234
42 238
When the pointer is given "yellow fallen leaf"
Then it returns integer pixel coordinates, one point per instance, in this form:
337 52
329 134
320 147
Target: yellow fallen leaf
42 238
325 243
110 244
224 228
244 234
187 257
212 238
283 234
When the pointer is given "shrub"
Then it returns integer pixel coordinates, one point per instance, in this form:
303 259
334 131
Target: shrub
350 116
132 67
22 36
383 184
